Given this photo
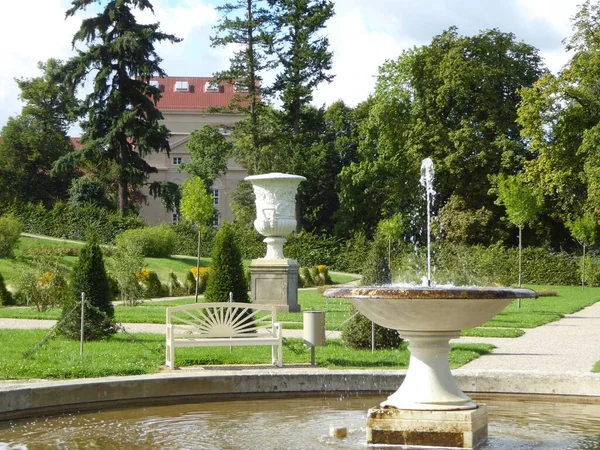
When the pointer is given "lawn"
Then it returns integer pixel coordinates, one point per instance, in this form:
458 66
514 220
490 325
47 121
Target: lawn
121 355
596 368
509 323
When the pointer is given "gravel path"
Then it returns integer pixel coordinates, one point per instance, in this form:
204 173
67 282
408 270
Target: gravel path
571 344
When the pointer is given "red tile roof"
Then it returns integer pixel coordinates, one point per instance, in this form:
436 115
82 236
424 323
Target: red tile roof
196 97
74 142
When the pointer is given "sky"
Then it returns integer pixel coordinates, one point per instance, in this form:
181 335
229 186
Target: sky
363 34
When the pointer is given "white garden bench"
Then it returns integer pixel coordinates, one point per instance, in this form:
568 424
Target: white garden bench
223 325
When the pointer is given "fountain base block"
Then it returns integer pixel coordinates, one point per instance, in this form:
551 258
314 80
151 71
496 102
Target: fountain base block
458 429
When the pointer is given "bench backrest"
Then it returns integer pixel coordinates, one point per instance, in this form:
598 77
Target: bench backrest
222 320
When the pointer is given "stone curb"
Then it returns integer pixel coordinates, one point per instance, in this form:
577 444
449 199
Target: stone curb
36 397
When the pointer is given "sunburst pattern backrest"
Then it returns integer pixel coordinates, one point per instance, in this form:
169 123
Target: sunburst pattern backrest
222 320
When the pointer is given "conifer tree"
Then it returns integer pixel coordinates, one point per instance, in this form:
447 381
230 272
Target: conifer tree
302 52
248 24
121 122
227 270
89 276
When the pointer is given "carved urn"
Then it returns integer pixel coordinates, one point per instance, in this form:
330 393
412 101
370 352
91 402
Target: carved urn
275 208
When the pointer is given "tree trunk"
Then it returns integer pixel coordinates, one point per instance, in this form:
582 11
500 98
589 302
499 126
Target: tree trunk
252 90
122 185
198 266
583 269
520 260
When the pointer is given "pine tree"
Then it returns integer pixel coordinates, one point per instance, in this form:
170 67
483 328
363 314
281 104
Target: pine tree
122 123
302 53
227 270
6 297
252 31
89 276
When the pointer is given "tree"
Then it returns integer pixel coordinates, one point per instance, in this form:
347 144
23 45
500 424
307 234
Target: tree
89 277
522 206
209 152
251 32
560 116
121 122
126 261
227 270
35 139
454 100
302 52
583 229
197 207
391 230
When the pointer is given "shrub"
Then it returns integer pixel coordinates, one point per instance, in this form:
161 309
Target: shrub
125 265
176 289
186 239
153 288
377 269
305 279
6 298
89 276
323 273
190 283
85 190
356 334
153 242
64 221
310 249
227 270
10 232
249 241
204 275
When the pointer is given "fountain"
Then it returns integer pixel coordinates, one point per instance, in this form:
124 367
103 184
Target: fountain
274 279
429 408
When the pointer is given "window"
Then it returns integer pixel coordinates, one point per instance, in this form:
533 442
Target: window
175 217
215 196
216 220
211 86
182 86
176 160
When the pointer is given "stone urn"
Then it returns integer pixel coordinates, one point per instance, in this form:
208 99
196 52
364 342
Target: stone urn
275 208
274 279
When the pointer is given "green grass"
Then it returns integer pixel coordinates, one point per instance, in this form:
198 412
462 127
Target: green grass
596 368
180 265
120 355
536 312
493 332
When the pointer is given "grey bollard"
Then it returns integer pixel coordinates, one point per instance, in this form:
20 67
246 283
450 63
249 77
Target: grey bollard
314 331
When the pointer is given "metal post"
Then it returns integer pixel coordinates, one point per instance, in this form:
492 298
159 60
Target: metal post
372 337
82 313
231 297
312 355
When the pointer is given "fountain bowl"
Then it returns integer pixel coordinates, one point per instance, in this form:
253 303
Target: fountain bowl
420 308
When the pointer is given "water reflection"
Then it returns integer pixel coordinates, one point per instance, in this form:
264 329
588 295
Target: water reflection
302 423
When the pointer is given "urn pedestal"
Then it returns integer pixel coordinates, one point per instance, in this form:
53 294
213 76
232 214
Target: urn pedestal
274 278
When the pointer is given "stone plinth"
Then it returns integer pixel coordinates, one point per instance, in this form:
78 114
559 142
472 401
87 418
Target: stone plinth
459 429
275 282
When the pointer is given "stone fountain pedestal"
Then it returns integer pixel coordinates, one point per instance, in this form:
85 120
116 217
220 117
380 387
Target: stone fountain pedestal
428 409
274 278
459 429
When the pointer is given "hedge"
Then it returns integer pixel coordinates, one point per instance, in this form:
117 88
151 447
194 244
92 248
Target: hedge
64 221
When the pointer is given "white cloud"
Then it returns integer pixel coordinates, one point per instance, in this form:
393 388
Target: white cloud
363 34
32 31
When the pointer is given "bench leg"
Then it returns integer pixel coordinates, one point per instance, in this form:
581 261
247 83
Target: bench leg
170 363
277 355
